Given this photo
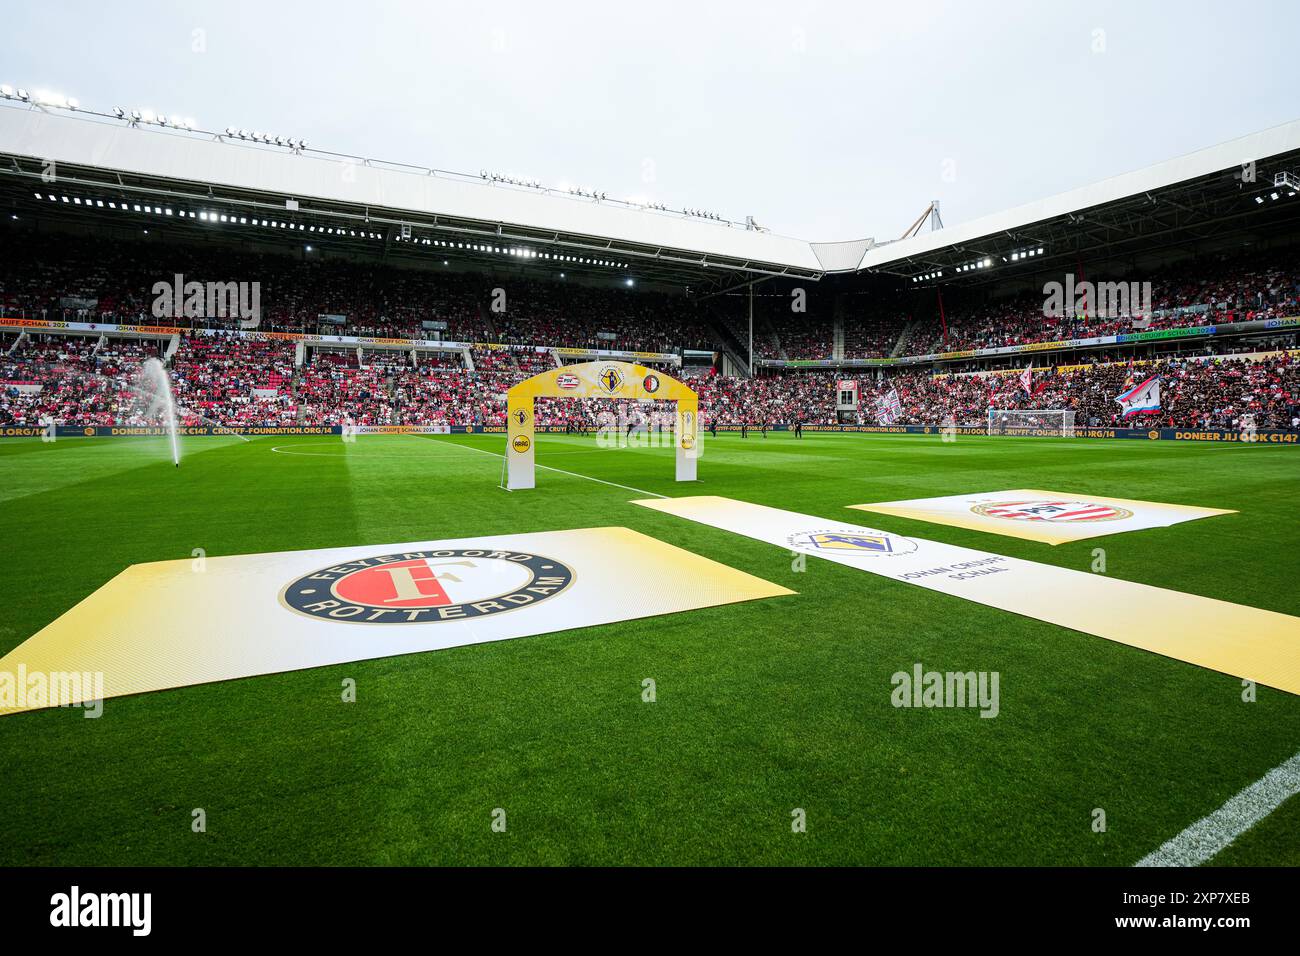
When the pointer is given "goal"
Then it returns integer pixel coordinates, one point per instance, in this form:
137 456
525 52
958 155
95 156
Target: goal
1051 422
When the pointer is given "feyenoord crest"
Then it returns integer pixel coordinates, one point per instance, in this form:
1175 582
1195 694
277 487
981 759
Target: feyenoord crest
1054 511
851 541
420 587
651 384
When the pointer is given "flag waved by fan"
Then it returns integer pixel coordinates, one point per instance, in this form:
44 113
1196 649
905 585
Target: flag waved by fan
1141 399
888 407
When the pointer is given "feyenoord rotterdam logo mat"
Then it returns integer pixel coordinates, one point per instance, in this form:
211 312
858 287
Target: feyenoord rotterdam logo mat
1047 516
449 584
176 623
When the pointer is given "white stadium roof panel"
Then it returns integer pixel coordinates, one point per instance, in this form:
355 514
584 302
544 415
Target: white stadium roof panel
167 156
841 256
82 140
1254 147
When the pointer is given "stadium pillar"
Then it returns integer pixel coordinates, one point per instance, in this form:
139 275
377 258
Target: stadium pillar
1082 280
751 330
942 318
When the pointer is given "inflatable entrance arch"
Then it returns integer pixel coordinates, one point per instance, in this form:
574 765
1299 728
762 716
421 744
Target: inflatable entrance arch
596 380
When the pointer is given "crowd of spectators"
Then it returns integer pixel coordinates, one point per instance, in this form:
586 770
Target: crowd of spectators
235 381
1238 289
105 281
230 381
1200 392
112 281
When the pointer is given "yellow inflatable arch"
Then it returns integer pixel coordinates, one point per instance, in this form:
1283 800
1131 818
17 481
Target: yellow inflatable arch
596 380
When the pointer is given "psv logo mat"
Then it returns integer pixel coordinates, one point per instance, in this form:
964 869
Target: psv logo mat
1034 514
451 584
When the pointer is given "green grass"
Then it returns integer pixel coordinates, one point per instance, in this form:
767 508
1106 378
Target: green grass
762 707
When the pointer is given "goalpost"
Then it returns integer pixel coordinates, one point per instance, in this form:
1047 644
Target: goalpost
1055 422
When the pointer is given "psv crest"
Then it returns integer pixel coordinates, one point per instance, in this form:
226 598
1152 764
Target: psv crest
420 587
1059 512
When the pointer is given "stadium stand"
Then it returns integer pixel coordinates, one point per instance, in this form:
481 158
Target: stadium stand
230 382
1206 293
233 380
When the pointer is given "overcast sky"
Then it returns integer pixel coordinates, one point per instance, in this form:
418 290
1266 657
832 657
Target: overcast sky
823 120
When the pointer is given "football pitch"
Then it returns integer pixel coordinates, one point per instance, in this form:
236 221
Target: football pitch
761 709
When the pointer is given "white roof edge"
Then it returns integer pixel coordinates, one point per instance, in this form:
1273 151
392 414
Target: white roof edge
1254 146
83 140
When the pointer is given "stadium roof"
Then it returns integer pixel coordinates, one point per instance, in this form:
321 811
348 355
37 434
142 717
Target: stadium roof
97 150
1184 202
1194 199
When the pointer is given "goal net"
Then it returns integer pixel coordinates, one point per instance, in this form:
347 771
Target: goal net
1051 422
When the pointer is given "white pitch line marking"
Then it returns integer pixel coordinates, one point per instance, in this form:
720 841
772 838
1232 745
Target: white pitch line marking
572 474
1205 838
342 453
288 450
